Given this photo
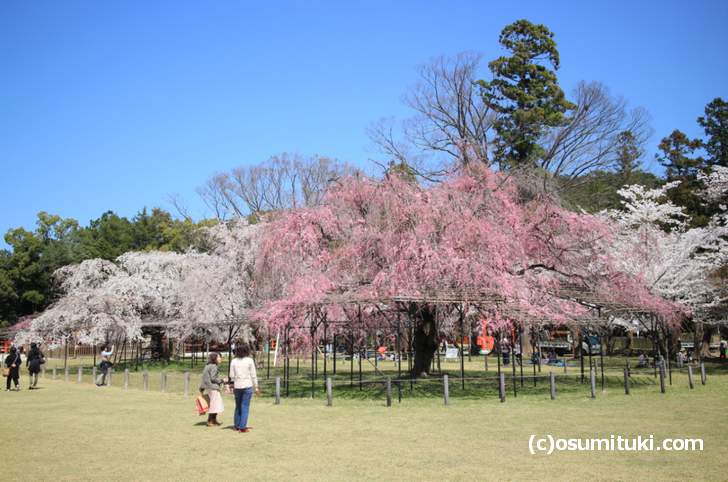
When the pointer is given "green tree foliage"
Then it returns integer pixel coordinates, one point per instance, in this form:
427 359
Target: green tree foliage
402 170
629 153
26 270
679 154
682 159
597 190
524 92
715 124
107 237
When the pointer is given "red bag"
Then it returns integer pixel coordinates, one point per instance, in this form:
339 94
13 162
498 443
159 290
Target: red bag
202 404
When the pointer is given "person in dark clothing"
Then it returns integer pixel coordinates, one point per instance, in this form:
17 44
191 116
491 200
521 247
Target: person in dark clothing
34 361
13 362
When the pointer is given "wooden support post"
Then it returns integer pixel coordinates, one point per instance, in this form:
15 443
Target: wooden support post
601 360
109 372
145 378
703 377
669 363
462 349
534 352
593 382
626 381
335 350
313 361
446 389
80 375
360 376
552 382
278 391
126 378
187 384
520 352
54 373
326 348
65 374
662 376
351 360
329 393
267 363
513 364
42 372
287 362
163 382
502 387
581 356
93 374
690 377
389 391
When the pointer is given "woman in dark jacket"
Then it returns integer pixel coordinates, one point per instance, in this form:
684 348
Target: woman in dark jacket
34 361
13 362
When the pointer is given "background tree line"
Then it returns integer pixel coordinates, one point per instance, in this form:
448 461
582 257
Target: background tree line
26 268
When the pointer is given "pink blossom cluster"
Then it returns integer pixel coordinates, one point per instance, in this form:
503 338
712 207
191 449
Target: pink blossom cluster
473 235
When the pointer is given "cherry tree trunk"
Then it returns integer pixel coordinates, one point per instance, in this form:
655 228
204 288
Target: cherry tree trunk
705 334
425 340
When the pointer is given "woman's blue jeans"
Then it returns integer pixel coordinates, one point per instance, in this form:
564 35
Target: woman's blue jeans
242 406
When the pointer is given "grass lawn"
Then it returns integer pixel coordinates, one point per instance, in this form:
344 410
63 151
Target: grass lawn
69 431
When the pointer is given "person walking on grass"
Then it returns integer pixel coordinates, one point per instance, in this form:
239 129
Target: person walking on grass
12 364
244 379
211 384
104 365
34 361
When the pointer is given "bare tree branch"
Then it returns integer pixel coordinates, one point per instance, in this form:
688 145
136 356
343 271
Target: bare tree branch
590 139
451 125
284 181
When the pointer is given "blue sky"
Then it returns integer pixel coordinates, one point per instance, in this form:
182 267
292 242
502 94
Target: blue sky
116 105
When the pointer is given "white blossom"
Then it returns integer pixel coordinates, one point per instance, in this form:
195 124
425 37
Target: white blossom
190 293
676 264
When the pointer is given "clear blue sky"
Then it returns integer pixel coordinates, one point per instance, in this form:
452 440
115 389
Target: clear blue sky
115 105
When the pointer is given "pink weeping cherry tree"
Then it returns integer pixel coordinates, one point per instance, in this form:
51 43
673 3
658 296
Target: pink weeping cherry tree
473 234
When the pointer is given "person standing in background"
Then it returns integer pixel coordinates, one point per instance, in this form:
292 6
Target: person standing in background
34 361
12 363
104 365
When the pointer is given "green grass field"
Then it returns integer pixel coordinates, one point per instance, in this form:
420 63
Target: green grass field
70 431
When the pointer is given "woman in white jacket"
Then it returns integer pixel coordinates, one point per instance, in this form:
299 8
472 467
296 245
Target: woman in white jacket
245 381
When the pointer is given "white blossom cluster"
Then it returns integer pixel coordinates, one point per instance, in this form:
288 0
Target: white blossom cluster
678 263
191 293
